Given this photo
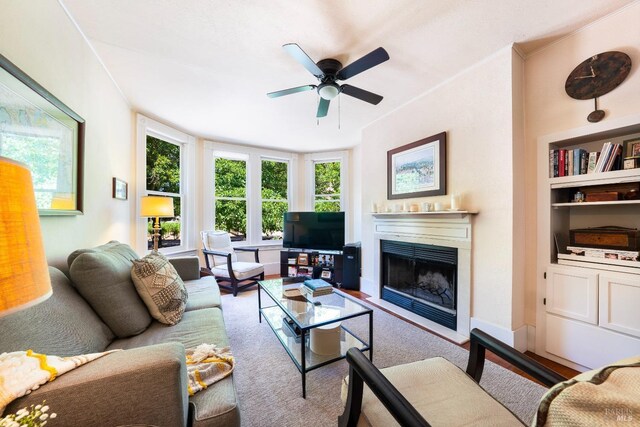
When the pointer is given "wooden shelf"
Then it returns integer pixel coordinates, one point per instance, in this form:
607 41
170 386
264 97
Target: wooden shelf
582 204
613 177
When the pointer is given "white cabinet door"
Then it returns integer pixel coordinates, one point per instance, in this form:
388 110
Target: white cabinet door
620 302
572 292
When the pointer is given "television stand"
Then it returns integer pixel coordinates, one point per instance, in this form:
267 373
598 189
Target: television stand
315 264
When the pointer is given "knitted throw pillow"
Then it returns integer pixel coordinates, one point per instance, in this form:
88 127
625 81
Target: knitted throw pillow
160 287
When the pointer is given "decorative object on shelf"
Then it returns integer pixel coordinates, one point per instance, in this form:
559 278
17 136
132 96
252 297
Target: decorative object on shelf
24 275
417 169
609 237
325 274
156 207
303 259
597 76
578 197
426 206
438 207
119 189
455 202
414 207
39 130
325 340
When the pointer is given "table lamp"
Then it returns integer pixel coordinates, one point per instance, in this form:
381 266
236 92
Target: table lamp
156 207
24 275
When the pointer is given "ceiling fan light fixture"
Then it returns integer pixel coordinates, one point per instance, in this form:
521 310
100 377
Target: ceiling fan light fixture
328 91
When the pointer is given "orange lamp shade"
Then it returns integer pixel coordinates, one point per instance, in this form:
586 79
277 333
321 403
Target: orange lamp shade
156 206
24 275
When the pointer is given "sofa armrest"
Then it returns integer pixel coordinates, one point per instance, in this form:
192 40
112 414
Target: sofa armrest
188 267
141 386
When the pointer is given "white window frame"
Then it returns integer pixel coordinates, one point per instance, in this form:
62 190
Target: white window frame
310 182
254 186
288 200
239 157
147 126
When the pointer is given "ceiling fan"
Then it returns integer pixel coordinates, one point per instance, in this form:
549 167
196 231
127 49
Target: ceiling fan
328 71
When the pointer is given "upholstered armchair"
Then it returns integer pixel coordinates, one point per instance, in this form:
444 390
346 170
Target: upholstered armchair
441 393
222 261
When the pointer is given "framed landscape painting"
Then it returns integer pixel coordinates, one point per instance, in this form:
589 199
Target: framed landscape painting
40 131
417 169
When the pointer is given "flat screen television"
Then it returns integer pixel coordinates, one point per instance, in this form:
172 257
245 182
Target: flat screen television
314 230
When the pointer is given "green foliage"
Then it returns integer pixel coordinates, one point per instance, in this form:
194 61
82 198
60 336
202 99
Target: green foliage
327 178
230 178
231 215
274 180
163 166
327 206
273 219
170 229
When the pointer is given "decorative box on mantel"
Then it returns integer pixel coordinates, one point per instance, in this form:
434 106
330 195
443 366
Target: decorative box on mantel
447 234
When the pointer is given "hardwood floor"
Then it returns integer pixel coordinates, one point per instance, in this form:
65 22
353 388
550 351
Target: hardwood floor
561 369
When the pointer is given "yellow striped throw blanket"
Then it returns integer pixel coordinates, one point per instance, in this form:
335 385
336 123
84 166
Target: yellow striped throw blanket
207 364
21 372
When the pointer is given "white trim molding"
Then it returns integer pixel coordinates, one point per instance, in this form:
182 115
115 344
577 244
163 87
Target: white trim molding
146 126
516 338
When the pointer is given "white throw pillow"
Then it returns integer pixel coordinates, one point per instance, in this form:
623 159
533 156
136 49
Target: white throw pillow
160 287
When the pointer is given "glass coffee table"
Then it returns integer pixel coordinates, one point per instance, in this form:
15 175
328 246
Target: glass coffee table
293 320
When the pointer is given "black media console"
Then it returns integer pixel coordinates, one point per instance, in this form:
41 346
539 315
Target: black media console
340 268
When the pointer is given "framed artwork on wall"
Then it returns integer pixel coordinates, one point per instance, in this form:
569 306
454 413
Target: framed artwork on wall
418 169
37 129
120 189
631 148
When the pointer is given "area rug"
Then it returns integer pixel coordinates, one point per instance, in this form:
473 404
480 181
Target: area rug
269 385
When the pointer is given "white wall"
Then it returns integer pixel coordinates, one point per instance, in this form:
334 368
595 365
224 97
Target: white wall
476 109
39 38
550 110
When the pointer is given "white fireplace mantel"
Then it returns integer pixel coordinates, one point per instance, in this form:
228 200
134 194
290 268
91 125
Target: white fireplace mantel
450 229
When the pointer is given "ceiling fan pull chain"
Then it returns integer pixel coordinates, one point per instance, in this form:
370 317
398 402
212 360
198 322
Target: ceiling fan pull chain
339 114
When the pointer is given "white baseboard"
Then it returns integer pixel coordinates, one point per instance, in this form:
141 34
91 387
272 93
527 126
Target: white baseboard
369 287
272 268
531 338
516 339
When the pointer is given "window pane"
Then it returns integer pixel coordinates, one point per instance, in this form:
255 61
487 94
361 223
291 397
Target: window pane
231 216
274 180
230 178
170 229
327 206
273 219
163 166
327 178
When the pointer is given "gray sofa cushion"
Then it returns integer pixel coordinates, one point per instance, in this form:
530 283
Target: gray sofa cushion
203 293
102 275
63 325
218 404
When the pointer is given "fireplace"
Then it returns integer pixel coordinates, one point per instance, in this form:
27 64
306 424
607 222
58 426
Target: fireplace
422 279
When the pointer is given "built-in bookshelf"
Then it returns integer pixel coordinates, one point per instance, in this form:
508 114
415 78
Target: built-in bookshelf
588 298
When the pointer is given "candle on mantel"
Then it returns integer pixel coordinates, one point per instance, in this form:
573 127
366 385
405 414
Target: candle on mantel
455 202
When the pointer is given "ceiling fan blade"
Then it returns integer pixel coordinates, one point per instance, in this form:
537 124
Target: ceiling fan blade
290 91
361 94
323 107
370 60
300 56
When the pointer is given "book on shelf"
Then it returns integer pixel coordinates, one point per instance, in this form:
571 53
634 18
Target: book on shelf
604 253
578 161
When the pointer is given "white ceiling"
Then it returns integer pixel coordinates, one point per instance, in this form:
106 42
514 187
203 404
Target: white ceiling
205 66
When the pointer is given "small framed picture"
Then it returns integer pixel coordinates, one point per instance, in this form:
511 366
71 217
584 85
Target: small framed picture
303 259
631 147
293 271
325 274
120 189
292 261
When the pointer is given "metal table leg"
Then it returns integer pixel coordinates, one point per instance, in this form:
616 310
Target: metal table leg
303 335
371 336
259 304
